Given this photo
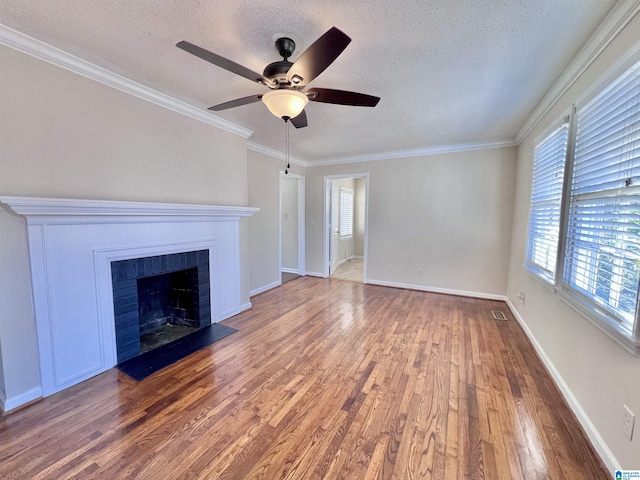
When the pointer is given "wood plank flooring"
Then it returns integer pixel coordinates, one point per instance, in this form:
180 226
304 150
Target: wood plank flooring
325 379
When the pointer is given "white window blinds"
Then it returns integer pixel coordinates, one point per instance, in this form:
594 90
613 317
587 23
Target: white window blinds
346 212
602 260
546 202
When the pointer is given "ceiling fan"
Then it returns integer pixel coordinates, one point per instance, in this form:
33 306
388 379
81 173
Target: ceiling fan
287 81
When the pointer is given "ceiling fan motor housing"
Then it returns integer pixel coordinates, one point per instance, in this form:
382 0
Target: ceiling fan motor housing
278 70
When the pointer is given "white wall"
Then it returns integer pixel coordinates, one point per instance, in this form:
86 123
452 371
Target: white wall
359 216
449 214
263 174
66 136
599 373
289 219
2 387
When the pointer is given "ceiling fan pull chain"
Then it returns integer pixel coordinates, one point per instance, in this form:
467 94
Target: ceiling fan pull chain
288 165
286 140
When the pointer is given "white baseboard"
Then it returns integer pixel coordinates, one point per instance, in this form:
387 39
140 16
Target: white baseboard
314 274
11 403
340 262
596 439
264 288
357 257
233 312
289 270
448 291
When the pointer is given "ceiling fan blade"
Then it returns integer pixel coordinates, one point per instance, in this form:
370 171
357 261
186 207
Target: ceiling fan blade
317 57
222 62
300 121
341 97
238 102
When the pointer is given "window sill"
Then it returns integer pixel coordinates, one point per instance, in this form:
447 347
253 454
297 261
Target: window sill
541 279
601 321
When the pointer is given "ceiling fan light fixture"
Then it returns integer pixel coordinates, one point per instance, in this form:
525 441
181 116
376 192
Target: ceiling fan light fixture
285 103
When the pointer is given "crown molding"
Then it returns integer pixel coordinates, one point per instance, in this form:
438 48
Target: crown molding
23 43
418 152
618 18
256 147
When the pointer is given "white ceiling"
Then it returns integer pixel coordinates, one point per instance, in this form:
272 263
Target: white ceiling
448 72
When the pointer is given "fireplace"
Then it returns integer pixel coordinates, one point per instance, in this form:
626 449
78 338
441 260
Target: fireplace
159 299
73 244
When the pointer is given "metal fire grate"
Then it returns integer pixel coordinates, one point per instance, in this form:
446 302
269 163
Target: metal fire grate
498 315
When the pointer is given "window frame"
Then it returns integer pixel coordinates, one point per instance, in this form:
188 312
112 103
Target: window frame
603 319
536 270
344 237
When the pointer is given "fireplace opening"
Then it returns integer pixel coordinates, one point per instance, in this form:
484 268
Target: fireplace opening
167 307
158 300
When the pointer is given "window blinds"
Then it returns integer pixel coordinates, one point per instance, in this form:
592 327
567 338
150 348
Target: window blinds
602 260
546 201
346 212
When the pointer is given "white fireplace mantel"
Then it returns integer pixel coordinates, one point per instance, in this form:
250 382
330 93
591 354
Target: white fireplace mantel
35 207
71 246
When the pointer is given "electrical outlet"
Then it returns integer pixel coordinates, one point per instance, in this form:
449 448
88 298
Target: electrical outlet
521 296
628 422
419 272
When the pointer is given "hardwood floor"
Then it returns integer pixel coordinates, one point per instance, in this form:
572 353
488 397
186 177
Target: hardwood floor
353 271
325 379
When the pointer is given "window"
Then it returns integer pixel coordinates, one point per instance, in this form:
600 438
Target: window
587 233
546 202
602 260
346 212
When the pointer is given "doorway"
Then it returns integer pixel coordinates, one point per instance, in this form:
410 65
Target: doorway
346 226
292 227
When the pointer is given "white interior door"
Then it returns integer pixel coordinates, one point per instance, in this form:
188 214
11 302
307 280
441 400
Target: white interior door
334 226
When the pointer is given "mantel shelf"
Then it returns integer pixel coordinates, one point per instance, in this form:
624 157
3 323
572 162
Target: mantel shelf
64 207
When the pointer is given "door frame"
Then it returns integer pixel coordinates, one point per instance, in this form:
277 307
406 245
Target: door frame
301 222
327 232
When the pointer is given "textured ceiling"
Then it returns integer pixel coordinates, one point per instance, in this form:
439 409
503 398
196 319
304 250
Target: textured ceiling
448 72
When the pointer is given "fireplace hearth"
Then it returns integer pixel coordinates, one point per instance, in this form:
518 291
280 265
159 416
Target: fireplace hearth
159 299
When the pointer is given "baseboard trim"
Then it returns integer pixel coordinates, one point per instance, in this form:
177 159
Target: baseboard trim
340 262
245 307
447 291
314 274
594 436
11 403
357 257
264 288
289 270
